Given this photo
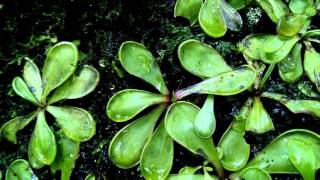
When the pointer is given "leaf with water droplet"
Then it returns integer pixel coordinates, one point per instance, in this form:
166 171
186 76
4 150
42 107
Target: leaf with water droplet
59 65
157 155
275 9
224 84
276 48
303 157
126 104
311 107
290 24
259 120
76 123
77 86
43 143
10 128
211 19
179 124
20 169
290 68
188 9
311 65
200 59
275 157
138 61
67 154
32 77
205 121
126 146
21 88
231 16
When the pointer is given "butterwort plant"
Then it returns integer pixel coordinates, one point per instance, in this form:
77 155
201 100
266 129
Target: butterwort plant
58 81
137 142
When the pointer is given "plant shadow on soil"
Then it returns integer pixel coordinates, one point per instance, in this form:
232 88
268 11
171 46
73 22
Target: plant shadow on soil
29 28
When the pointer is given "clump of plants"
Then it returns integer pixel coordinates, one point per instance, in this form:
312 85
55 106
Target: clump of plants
58 81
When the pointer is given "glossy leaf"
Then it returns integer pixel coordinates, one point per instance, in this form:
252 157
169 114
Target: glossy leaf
191 177
138 61
32 77
157 155
10 128
235 150
67 154
90 177
303 158
239 4
225 84
276 48
290 25
312 66
211 19
59 65
290 68
201 59
252 45
43 144
22 89
126 146
76 123
299 6
259 120
296 106
205 121
231 17
179 124
306 87
34 162
275 157
188 9
255 174
275 9
126 104
189 170
77 86
20 169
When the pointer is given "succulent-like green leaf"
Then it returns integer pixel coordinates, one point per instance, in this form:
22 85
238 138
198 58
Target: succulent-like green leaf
157 155
76 123
290 68
32 77
259 120
300 6
179 123
126 146
191 177
138 61
22 89
43 144
229 83
59 65
205 122
10 128
189 170
67 154
252 45
201 59
275 158
276 48
188 9
275 9
235 149
211 19
126 104
290 24
303 158
296 106
231 17
239 4
35 163
312 66
255 174
20 169
306 87
90 177
311 33
77 86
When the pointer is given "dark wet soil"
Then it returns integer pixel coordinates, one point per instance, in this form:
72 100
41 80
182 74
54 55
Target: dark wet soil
28 28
